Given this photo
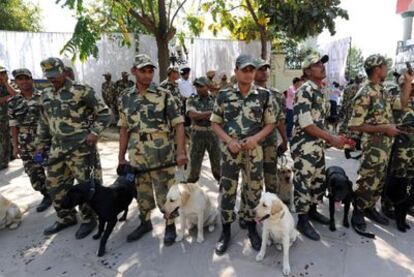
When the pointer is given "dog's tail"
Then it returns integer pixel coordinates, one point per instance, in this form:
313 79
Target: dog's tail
363 233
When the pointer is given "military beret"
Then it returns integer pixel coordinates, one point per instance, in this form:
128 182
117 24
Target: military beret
244 61
21 71
52 67
374 61
143 60
261 63
313 58
201 81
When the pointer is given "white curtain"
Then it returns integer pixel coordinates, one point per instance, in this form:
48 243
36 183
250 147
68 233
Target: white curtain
338 54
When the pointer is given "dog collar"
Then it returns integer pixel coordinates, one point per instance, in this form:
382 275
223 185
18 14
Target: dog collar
264 218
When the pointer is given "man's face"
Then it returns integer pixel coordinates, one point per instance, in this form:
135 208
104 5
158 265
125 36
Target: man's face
69 74
262 75
124 77
185 76
202 90
174 76
3 77
245 76
108 78
144 75
58 81
317 71
383 71
25 83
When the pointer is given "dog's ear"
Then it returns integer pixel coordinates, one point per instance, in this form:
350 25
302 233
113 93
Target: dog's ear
185 195
276 207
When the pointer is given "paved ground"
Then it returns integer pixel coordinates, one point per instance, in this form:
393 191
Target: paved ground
26 252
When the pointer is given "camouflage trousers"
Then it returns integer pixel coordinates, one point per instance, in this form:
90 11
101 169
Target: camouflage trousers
152 187
5 149
309 178
403 161
269 172
372 171
251 165
202 141
35 171
60 178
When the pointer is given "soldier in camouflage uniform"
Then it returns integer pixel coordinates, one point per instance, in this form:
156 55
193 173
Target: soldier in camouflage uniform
109 93
24 114
66 125
269 145
199 109
120 86
171 84
242 117
372 116
146 114
6 91
308 145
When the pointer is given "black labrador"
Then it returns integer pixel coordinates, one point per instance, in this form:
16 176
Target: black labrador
339 190
107 202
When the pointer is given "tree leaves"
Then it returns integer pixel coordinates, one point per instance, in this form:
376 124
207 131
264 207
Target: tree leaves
17 15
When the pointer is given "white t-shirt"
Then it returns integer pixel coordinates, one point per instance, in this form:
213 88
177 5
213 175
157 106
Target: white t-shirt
186 88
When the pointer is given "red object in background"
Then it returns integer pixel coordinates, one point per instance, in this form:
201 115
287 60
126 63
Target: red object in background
403 6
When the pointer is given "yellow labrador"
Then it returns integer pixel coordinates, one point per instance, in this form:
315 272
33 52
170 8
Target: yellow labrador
278 222
194 207
10 214
285 185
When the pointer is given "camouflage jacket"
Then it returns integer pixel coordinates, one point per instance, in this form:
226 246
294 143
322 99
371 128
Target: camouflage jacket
241 116
24 112
66 116
200 104
175 92
3 107
109 94
278 108
120 86
311 108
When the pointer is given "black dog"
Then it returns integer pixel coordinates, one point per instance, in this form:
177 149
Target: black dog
107 202
400 191
339 190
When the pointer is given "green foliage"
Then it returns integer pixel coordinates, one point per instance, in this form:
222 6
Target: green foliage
355 63
18 15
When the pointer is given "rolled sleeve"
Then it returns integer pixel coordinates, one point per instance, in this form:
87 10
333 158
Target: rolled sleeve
217 114
173 113
269 112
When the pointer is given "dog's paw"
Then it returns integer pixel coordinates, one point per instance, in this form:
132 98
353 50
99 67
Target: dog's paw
200 239
96 236
332 228
260 256
269 242
279 246
179 238
13 226
101 252
211 228
286 269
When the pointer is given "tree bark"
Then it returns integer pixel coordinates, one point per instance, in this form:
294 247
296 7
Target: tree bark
263 42
163 56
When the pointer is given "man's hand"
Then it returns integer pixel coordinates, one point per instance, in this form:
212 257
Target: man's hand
249 143
122 160
390 130
91 139
282 148
234 146
337 141
181 159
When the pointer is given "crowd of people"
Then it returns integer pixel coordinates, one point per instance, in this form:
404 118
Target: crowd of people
244 125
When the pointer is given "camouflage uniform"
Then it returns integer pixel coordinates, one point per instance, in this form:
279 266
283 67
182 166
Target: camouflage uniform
24 114
5 149
203 138
175 92
64 125
372 105
148 117
308 152
240 118
346 110
120 86
109 94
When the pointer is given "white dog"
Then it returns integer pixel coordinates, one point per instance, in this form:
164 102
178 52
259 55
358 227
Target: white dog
194 207
278 222
10 214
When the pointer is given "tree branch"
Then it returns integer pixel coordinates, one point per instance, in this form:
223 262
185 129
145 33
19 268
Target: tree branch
151 5
251 10
145 21
176 12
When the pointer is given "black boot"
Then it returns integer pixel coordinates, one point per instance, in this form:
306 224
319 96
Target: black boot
358 220
143 228
374 215
170 235
411 211
85 229
255 240
388 211
58 226
306 228
316 216
45 203
224 241
242 223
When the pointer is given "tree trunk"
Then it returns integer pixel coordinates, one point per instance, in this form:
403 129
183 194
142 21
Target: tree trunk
263 41
163 56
